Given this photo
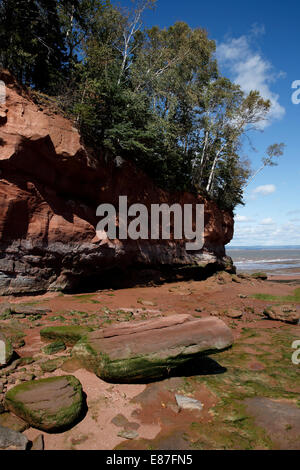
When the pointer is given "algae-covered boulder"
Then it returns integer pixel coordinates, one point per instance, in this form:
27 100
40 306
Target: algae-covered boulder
260 276
68 334
52 404
6 350
150 349
55 347
52 364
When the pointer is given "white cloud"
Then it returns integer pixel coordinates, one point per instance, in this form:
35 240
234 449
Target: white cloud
266 235
265 190
267 221
241 218
251 70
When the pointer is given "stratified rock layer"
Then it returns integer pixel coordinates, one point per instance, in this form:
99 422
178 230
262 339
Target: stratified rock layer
150 349
52 404
50 188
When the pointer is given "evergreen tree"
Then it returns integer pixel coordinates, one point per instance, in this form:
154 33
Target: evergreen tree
32 45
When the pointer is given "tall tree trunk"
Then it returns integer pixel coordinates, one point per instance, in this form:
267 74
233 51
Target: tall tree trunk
203 156
254 176
213 169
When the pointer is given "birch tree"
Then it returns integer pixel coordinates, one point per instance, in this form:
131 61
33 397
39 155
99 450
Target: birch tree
228 116
131 26
273 153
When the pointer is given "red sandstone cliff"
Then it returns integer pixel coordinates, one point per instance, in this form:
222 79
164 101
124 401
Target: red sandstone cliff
50 187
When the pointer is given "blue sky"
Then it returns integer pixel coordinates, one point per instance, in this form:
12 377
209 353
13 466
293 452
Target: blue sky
257 46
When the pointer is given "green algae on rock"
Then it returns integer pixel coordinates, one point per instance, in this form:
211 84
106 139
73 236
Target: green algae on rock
68 334
52 404
150 349
260 276
52 364
55 347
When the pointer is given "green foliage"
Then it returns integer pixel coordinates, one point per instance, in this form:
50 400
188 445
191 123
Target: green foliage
32 44
154 96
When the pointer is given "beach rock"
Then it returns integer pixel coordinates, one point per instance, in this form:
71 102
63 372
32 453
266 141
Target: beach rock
54 348
52 404
15 334
128 434
233 313
38 443
244 276
68 334
284 313
50 188
215 313
52 364
8 420
187 403
19 309
6 350
223 278
144 350
260 276
12 440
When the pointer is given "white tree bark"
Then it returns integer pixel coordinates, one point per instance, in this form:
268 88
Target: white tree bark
213 169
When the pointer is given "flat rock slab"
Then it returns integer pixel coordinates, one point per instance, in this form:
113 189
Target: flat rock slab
6 350
13 440
52 404
280 419
138 351
19 309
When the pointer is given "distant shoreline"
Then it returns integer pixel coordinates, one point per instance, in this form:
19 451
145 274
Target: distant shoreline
261 247
279 261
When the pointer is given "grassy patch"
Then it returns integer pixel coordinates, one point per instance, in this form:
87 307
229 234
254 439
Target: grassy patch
279 298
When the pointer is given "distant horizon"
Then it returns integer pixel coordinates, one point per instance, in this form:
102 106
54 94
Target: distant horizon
265 247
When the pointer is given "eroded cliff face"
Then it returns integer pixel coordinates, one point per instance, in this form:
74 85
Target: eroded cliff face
50 187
